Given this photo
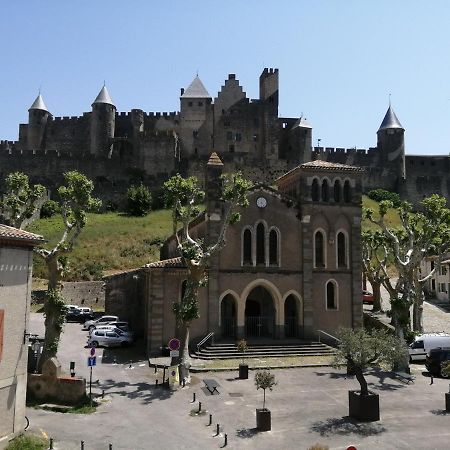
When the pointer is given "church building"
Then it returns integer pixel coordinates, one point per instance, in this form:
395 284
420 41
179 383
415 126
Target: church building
290 267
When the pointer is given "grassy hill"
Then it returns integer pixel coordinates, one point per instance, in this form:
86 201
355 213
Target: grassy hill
113 242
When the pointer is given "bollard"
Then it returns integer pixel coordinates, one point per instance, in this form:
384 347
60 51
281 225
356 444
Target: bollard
226 440
82 445
193 397
210 420
103 393
51 444
156 368
217 429
199 407
110 447
156 383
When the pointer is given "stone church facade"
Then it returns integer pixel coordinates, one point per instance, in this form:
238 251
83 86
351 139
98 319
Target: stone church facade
290 267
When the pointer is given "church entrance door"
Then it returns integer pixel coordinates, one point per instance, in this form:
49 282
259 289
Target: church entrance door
259 313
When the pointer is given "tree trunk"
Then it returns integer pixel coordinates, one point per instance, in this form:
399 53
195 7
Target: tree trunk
359 376
376 287
264 399
53 310
418 311
185 358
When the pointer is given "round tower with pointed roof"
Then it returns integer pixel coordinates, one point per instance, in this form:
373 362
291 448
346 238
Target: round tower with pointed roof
391 142
38 115
196 119
103 120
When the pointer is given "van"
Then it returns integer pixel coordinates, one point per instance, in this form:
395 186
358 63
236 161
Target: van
422 345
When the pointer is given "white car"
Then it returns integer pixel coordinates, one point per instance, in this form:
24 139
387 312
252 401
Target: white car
108 338
426 342
104 320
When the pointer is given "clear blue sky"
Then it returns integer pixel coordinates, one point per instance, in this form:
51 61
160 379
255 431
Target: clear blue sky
338 60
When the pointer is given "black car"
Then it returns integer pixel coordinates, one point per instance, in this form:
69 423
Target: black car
435 359
74 315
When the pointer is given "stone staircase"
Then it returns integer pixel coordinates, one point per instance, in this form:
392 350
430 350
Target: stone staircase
263 350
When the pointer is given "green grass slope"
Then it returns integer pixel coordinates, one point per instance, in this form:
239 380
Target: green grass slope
109 242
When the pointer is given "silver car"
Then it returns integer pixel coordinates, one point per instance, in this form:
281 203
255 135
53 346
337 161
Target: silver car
108 338
104 320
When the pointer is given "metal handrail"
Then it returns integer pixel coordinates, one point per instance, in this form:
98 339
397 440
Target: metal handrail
319 332
208 336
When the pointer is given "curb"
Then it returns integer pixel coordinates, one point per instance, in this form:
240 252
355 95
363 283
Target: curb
271 367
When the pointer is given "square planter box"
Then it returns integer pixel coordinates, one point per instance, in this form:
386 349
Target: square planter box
365 408
447 401
243 371
263 420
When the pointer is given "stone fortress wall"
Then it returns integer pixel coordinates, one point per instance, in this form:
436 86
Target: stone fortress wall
116 149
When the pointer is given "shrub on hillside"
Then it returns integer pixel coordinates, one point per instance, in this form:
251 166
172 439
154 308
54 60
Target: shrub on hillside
49 209
381 194
139 200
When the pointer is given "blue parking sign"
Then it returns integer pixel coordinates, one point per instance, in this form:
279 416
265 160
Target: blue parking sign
92 361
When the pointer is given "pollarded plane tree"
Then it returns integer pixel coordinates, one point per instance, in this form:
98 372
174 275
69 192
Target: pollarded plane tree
421 234
185 198
75 198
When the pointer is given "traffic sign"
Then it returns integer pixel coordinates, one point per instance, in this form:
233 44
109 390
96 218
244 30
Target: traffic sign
174 344
92 361
174 353
92 351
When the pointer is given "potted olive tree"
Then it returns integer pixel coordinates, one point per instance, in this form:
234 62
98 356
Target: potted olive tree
264 380
243 367
361 349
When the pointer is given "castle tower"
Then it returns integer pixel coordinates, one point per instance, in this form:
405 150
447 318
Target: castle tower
195 119
391 142
268 95
103 119
37 121
300 140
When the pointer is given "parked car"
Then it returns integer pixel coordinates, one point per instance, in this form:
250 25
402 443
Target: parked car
435 358
73 313
86 313
108 338
112 328
368 297
424 343
122 325
90 324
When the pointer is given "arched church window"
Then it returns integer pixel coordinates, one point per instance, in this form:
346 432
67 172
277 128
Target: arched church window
247 247
347 193
260 244
273 248
325 193
337 191
315 190
319 249
332 295
341 249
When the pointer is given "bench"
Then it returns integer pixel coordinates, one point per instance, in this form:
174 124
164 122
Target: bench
211 385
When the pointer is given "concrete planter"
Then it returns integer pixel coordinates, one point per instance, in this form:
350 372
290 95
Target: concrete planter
263 420
365 408
243 371
447 401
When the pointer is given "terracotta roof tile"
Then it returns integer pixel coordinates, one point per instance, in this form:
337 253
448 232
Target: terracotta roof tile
173 262
326 165
12 233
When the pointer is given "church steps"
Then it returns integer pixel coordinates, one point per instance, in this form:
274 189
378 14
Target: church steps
229 351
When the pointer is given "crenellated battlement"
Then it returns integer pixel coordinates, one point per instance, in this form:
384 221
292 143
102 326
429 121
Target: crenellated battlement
344 151
69 119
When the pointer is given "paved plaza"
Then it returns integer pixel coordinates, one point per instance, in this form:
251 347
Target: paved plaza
309 405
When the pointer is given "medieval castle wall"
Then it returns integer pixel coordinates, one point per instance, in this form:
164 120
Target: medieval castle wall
116 149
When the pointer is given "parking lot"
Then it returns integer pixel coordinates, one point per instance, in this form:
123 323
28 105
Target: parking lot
308 405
